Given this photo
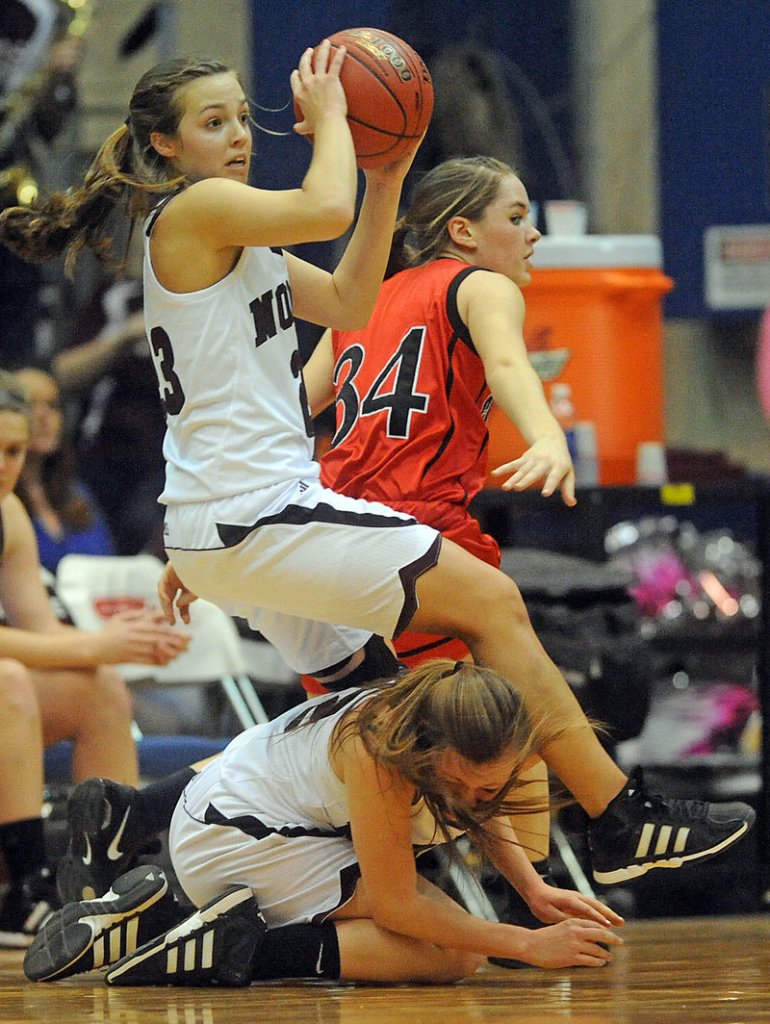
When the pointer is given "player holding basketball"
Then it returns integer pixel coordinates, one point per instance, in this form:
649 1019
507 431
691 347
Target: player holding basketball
248 524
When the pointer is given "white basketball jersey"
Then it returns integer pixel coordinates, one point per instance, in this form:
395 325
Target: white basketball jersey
280 772
213 350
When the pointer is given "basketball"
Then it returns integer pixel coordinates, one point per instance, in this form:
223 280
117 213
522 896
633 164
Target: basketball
389 93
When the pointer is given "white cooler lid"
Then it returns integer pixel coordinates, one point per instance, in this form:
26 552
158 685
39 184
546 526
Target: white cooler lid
565 251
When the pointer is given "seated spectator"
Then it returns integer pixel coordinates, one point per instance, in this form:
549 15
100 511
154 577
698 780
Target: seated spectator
119 444
63 512
56 683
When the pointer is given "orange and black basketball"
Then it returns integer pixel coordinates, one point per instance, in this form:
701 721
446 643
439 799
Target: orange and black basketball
389 93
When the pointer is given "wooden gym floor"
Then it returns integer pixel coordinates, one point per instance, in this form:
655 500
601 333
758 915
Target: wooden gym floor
671 971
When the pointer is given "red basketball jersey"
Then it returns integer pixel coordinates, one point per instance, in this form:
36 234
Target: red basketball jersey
412 399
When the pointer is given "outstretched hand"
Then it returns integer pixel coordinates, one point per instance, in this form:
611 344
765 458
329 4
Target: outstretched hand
174 596
571 943
550 904
548 460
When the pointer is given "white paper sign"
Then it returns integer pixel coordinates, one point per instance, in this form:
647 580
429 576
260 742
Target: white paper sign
737 266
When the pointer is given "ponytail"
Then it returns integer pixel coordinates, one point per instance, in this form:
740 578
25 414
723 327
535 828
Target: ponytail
125 176
460 187
399 251
83 217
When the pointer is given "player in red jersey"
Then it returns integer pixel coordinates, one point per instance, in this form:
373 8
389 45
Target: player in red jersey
414 387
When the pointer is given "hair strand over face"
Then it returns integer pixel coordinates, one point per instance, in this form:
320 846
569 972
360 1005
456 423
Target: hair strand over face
409 724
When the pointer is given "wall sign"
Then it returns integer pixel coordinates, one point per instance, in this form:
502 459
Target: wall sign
737 266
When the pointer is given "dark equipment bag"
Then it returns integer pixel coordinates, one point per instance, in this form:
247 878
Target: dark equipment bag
590 626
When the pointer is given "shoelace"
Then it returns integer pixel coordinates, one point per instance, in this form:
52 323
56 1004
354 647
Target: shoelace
672 807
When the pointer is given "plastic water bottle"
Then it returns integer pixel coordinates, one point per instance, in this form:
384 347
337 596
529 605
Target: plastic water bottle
587 461
581 436
564 411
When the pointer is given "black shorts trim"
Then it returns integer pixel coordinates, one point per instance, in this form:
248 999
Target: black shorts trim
409 576
349 877
296 515
250 825
412 652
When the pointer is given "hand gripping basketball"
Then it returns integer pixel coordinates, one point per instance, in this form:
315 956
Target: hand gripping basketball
389 94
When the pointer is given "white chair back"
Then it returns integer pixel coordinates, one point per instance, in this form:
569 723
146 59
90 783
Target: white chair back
94 587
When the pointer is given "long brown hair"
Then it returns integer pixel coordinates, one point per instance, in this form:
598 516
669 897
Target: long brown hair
124 177
460 187
58 469
442 705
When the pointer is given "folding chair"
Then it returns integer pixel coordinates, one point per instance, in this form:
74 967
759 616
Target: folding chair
94 587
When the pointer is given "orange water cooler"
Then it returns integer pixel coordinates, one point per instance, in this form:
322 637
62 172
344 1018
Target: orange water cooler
599 298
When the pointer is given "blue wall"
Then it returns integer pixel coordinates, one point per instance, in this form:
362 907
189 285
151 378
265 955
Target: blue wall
714 71
280 32
531 33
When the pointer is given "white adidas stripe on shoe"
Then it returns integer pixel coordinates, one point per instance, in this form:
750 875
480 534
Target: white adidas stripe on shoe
213 946
640 831
87 935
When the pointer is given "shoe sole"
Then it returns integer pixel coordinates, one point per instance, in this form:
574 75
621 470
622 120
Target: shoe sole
633 871
84 936
188 949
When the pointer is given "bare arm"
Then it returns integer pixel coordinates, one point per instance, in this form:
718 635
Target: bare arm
493 309
22 593
139 637
345 298
218 214
216 217
34 635
81 365
547 902
380 805
317 374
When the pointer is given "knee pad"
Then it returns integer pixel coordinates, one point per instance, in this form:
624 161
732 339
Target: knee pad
379 663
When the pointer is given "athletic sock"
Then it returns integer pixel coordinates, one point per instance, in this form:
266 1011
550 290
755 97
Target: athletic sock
298 951
156 801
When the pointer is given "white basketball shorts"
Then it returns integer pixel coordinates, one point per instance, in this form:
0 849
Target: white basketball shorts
315 572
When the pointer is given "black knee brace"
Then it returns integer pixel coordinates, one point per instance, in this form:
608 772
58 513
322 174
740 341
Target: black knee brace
379 663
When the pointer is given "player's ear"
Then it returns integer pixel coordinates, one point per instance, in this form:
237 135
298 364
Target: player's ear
163 144
460 231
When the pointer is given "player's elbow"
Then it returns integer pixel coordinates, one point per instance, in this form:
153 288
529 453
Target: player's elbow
334 218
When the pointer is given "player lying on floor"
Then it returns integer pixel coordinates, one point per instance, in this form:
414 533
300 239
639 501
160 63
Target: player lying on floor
299 846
